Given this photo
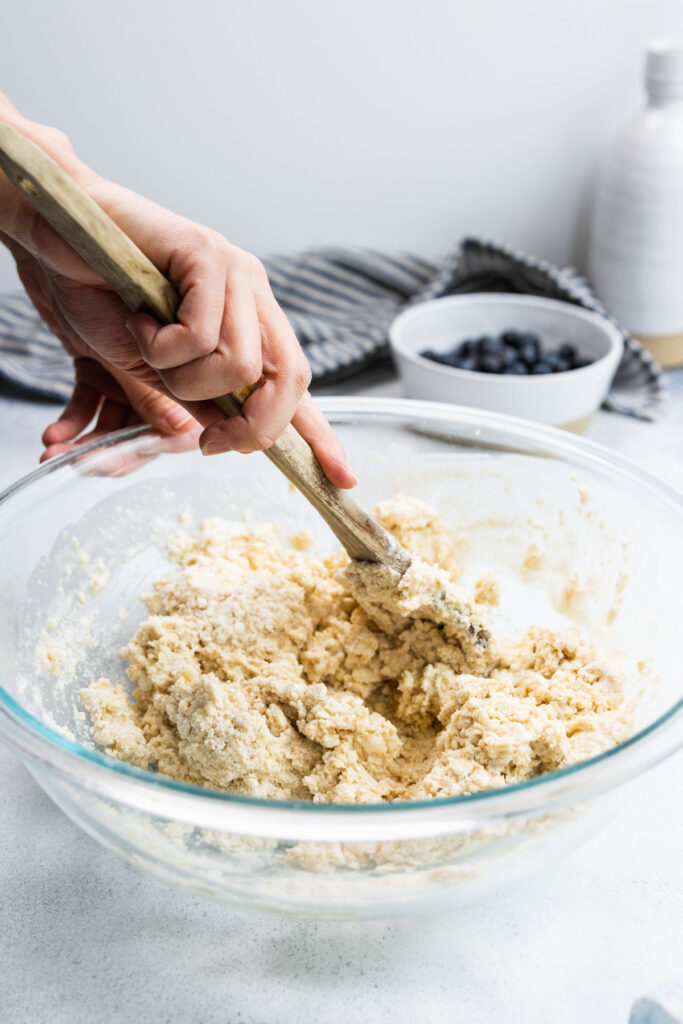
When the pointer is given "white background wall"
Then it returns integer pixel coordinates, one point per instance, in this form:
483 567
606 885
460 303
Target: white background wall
284 124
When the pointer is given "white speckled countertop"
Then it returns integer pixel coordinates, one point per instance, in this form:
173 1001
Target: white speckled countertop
85 938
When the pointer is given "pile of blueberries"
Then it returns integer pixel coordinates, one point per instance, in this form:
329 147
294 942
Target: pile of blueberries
512 352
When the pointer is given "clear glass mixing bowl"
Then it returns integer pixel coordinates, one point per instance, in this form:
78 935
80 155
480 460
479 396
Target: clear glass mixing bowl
83 537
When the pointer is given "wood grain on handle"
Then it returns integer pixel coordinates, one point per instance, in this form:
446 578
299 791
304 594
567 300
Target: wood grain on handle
112 254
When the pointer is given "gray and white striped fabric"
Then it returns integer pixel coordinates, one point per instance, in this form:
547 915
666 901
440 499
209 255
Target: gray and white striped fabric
340 303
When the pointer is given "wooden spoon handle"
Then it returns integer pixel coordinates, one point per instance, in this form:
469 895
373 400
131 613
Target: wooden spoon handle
110 252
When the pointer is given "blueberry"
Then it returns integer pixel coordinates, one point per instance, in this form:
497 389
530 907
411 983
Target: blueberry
541 367
580 362
491 363
528 354
518 368
436 357
512 338
530 349
568 351
489 346
469 363
562 365
508 356
552 359
467 348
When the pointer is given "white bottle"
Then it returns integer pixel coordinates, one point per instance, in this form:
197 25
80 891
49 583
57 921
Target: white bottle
636 247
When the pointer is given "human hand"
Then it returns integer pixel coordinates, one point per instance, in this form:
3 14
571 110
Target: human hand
113 401
230 332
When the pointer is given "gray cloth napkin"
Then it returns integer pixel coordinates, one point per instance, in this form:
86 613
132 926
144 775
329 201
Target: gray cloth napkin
341 302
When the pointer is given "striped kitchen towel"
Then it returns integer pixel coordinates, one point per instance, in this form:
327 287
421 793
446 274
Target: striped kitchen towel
340 303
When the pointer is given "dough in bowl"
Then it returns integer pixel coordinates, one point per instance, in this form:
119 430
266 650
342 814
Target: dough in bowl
266 671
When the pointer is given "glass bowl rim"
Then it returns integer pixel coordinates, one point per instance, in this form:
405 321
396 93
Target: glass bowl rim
31 737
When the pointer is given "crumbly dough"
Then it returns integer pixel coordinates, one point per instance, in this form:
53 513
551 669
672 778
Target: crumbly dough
486 590
268 672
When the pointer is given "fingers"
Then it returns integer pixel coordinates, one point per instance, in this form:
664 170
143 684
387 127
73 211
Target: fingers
83 405
314 428
155 408
279 399
201 281
93 383
237 434
265 414
113 416
121 399
196 367
231 333
269 409
120 463
115 464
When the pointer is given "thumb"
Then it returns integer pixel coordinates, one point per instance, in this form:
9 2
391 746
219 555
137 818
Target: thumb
154 408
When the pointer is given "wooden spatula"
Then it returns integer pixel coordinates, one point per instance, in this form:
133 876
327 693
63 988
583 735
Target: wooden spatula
105 248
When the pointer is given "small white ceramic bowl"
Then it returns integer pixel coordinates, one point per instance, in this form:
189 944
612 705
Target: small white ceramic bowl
566 399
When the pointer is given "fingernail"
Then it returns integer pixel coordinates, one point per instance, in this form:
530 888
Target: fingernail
343 465
176 418
213 448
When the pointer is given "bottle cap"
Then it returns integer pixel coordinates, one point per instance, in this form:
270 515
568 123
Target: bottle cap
664 69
